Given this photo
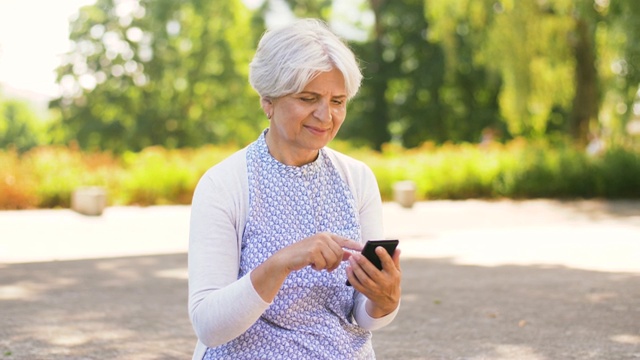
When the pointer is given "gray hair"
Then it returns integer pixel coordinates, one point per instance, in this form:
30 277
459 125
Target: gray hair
288 58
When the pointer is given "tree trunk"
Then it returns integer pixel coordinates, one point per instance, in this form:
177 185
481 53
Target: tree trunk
586 98
380 116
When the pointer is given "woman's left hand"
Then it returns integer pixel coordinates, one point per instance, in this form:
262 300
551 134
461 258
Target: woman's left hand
381 287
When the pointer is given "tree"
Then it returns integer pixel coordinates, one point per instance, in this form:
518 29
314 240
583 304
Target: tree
320 9
528 45
554 58
586 100
621 70
162 72
19 126
469 94
403 73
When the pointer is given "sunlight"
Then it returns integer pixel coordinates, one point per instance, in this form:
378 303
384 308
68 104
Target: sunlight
70 339
578 248
31 290
626 339
33 35
521 352
15 292
177 273
601 297
62 337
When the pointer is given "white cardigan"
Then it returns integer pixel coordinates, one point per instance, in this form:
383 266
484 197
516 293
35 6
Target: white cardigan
221 306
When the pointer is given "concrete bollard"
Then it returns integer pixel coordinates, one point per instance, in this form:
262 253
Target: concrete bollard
89 200
404 193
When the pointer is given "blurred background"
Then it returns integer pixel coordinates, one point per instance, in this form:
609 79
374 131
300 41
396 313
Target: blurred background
466 99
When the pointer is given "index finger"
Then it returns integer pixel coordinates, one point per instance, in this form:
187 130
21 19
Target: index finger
347 243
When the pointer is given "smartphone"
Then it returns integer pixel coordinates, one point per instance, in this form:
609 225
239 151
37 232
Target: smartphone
369 251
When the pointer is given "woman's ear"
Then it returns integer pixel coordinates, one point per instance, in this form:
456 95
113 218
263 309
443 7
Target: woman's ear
267 106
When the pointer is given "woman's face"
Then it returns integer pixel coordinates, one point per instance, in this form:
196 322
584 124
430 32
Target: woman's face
304 122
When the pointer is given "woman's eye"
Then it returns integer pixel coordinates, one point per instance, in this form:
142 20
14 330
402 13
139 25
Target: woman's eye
338 102
307 99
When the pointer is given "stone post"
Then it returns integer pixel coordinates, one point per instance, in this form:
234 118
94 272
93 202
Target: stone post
404 193
89 200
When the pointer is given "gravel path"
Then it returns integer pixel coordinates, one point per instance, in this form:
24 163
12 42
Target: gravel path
526 280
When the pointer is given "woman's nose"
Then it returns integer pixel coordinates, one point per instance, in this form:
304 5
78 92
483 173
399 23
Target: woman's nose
323 111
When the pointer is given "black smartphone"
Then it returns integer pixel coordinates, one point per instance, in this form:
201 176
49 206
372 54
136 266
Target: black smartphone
369 251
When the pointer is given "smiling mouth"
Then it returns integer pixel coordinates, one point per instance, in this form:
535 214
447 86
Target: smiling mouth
316 130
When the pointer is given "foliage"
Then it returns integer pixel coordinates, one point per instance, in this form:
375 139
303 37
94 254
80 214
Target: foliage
158 72
46 176
16 182
400 99
620 66
554 59
160 176
518 169
311 8
19 126
515 68
174 73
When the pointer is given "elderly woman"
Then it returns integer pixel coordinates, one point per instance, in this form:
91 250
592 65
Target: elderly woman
276 227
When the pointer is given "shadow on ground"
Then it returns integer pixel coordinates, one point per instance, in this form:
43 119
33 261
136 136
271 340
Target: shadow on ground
122 308
513 312
135 308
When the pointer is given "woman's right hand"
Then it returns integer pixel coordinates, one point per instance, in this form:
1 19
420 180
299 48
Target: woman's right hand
322 251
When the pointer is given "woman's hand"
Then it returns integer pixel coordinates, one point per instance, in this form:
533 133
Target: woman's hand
381 287
322 251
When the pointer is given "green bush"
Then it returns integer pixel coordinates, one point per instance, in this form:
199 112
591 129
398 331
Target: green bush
618 174
160 176
518 169
45 177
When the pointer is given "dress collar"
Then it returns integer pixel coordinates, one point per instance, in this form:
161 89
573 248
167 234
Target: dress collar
271 162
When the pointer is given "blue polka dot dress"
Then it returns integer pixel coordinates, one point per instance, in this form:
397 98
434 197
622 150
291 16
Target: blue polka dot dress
311 317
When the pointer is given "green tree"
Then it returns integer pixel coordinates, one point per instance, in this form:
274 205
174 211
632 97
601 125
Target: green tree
523 43
469 94
320 9
587 95
161 72
562 64
403 72
407 96
412 92
620 62
19 126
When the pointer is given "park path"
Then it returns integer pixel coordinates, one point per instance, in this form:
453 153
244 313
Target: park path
538 280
